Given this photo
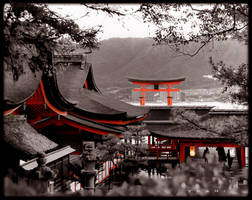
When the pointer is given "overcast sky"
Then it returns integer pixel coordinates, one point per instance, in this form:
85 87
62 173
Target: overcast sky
112 26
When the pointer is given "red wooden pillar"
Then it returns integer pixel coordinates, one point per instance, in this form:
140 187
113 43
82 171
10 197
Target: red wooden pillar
149 144
169 101
157 150
141 101
169 98
242 156
182 153
143 98
86 84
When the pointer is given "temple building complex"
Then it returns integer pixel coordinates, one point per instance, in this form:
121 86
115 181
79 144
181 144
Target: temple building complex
65 109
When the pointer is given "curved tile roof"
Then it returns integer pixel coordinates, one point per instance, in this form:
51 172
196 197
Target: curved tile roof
131 111
183 131
70 83
95 125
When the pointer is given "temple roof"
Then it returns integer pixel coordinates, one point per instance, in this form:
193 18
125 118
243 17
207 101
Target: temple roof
120 106
153 80
17 92
22 137
70 82
185 131
95 125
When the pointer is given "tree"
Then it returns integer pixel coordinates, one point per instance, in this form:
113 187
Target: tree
109 148
234 127
111 145
138 132
207 22
234 79
32 32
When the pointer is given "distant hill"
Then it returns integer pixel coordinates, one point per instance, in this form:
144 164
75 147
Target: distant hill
119 58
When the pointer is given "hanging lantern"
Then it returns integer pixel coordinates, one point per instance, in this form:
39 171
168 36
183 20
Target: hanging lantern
192 151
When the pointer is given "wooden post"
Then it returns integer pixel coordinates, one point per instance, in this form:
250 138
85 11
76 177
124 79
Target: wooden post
242 156
169 98
169 101
143 99
182 152
149 144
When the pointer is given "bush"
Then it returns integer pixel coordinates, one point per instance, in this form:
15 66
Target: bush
193 178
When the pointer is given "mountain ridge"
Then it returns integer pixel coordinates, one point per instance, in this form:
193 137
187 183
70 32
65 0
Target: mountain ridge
119 58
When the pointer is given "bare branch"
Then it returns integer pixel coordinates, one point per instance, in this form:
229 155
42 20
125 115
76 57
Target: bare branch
198 50
108 10
203 10
197 125
244 14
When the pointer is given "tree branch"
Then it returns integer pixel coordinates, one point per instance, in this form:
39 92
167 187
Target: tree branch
198 50
197 125
203 10
244 14
104 9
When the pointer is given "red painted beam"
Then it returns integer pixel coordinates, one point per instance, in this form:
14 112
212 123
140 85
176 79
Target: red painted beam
158 90
73 124
45 123
208 144
76 153
86 128
212 144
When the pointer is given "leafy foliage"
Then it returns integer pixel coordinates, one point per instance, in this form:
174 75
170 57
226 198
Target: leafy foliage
21 189
234 127
206 22
111 145
234 80
109 148
193 178
31 32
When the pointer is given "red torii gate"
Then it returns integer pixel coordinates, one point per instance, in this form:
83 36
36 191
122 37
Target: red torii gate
168 82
